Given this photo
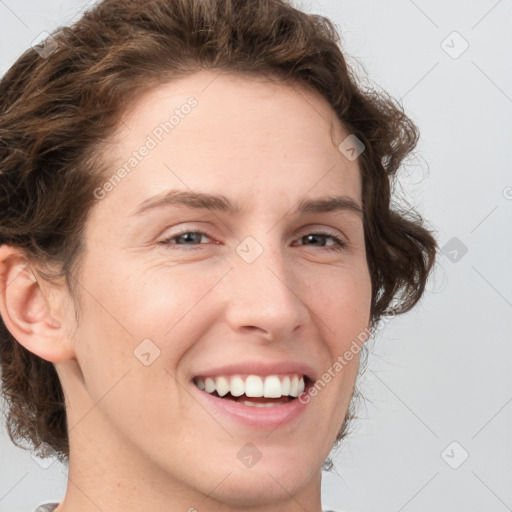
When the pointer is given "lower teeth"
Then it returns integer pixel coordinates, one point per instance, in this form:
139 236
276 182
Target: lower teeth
251 403
268 404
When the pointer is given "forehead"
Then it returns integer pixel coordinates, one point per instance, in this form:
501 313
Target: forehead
233 93
242 132
237 112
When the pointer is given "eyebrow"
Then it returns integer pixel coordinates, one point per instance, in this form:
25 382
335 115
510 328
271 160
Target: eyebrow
221 203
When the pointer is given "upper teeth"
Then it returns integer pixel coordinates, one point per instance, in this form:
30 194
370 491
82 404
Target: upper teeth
271 386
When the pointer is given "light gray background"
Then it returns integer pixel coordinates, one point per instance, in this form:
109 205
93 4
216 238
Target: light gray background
441 373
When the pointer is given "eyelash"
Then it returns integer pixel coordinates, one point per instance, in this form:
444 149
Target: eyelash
339 243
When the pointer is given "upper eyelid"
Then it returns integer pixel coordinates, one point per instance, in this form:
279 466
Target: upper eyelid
313 226
324 231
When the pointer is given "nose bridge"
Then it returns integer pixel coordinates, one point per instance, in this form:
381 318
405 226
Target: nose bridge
263 290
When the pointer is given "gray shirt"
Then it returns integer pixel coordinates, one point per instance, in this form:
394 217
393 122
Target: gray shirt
48 507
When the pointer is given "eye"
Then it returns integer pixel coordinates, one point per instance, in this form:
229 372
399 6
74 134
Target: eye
184 237
338 244
193 238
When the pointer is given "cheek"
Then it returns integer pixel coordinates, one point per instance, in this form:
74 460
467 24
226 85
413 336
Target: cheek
176 308
343 304
130 313
344 309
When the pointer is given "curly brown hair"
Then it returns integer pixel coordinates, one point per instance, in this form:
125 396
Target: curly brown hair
57 108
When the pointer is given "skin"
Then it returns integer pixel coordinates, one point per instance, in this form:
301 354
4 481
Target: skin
138 441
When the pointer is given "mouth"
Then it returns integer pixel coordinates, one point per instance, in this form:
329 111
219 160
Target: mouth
255 390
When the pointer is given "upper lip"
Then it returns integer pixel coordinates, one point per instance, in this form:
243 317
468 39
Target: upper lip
259 368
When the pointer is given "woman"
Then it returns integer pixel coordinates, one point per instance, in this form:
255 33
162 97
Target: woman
196 243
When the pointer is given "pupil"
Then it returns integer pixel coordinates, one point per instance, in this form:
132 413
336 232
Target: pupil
312 238
189 237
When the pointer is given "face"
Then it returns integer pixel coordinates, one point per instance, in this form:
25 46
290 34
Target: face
174 295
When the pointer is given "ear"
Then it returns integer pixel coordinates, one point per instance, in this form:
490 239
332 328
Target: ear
26 312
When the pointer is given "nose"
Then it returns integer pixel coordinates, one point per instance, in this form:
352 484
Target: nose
265 294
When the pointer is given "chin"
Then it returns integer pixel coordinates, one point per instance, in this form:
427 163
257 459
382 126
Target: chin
270 480
258 489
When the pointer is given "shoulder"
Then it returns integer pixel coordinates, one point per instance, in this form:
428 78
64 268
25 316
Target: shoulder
46 507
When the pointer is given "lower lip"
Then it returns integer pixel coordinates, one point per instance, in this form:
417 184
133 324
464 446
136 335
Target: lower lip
255 417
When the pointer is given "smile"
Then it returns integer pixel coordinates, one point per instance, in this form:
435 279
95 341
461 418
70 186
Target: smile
254 390
255 401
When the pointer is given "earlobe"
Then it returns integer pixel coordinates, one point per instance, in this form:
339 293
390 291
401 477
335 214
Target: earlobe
26 311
